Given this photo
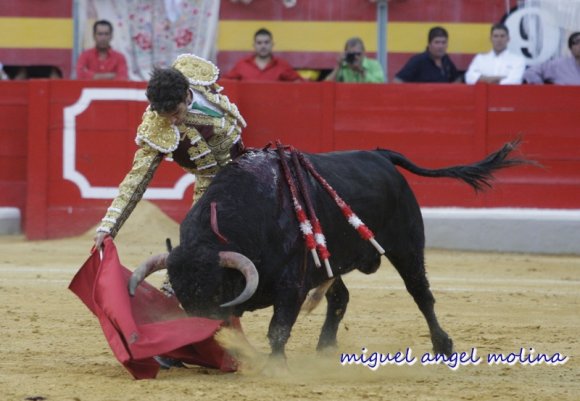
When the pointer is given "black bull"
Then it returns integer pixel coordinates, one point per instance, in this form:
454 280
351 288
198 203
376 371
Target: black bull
259 235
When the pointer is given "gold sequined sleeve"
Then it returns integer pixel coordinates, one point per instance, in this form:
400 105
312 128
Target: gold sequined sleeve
131 189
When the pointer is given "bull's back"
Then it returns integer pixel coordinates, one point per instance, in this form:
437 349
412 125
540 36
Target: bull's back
367 168
379 195
252 196
366 180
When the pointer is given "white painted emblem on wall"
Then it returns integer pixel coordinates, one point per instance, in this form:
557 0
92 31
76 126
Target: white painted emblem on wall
69 170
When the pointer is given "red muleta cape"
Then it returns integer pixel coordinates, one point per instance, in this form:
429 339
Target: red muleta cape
148 324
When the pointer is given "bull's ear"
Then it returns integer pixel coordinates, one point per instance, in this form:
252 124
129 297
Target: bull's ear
234 260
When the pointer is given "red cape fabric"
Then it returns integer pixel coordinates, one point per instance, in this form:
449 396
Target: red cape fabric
148 324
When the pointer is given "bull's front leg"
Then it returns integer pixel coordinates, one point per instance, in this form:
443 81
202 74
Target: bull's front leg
286 309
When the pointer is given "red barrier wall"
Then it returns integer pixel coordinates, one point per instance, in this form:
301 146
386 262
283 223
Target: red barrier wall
434 125
13 142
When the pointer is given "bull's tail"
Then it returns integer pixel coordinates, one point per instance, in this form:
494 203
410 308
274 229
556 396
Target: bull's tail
478 175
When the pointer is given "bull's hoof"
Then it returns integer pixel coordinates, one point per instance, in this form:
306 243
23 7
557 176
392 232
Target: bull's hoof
276 367
328 351
326 346
443 345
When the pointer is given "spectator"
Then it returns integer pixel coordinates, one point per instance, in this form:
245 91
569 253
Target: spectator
354 66
561 71
102 62
21 72
262 65
3 75
433 65
499 66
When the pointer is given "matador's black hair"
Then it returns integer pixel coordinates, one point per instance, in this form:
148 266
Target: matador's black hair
166 89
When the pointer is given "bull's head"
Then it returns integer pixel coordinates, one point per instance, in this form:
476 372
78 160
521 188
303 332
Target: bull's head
202 290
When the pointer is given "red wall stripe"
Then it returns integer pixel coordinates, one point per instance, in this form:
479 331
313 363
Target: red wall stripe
483 11
327 10
36 8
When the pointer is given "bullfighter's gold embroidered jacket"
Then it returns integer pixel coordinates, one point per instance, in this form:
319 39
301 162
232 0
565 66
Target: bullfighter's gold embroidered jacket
208 140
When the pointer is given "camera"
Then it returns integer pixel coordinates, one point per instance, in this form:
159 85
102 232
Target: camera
350 57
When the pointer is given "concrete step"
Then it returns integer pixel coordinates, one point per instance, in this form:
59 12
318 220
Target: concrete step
547 231
9 220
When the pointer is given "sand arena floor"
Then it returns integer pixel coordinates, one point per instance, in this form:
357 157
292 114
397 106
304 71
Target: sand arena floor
53 347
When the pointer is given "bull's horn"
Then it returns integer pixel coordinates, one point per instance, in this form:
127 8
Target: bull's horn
154 263
237 261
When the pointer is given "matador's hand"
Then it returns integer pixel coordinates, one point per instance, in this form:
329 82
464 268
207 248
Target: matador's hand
99 238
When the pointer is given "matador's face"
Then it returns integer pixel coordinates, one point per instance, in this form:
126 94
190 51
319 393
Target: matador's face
178 115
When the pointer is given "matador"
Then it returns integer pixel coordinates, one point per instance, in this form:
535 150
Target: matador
188 121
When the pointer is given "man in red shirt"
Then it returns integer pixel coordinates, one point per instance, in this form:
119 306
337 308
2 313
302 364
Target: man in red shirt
102 62
262 65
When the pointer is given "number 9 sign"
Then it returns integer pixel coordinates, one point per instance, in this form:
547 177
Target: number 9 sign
533 33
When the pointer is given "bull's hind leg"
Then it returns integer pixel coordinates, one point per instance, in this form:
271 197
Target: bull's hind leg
337 299
412 269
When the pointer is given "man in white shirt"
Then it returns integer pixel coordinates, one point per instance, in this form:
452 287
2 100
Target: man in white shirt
499 66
